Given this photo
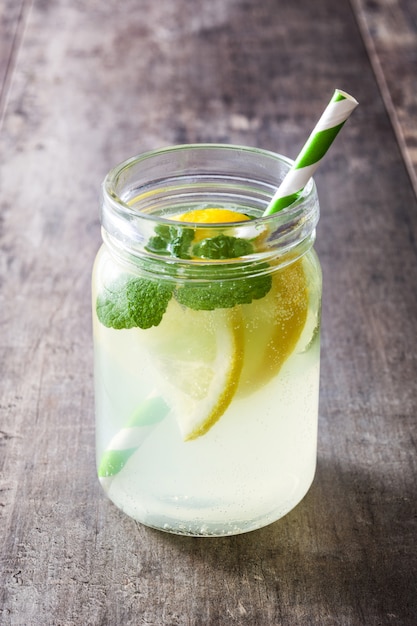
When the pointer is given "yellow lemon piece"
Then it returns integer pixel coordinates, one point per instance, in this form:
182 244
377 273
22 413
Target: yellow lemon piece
211 216
272 327
197 358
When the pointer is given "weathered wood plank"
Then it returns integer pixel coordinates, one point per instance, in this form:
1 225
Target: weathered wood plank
390 33
97 82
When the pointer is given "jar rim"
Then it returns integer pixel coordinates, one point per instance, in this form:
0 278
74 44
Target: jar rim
145 193
114 199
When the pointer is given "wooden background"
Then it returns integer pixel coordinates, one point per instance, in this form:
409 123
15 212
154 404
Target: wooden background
84 85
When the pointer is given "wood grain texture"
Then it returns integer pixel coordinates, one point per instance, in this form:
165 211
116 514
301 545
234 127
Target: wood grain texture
389 29
95 83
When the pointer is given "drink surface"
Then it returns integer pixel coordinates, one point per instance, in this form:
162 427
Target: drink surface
232 444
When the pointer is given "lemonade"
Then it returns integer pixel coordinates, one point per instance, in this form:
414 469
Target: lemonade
206 333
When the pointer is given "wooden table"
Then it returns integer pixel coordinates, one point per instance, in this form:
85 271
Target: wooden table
85 85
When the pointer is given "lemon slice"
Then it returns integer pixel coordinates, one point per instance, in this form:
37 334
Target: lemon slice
196 357
211 215
273 326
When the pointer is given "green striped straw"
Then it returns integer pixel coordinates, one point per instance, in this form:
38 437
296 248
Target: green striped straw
127 440
332 120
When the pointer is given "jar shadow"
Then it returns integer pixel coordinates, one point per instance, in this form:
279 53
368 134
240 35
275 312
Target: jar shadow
330 551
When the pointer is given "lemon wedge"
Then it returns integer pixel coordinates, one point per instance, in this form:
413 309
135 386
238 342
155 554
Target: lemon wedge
273 326
196 357
211 215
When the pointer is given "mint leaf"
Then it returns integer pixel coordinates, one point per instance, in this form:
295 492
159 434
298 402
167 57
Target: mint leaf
173 241
222 247
133 302
223 294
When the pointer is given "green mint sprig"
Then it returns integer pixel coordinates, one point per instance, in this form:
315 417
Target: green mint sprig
141 302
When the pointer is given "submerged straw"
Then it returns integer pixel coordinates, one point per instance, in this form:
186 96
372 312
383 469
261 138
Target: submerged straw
127 440
334 116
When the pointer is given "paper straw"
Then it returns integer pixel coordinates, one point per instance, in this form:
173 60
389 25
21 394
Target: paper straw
127 440
332 120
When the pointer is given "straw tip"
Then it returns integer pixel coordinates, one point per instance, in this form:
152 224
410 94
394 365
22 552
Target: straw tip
339 94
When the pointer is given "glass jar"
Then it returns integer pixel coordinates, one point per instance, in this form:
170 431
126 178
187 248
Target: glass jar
206 341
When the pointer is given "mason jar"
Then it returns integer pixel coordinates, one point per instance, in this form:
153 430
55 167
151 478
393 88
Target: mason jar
206 340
